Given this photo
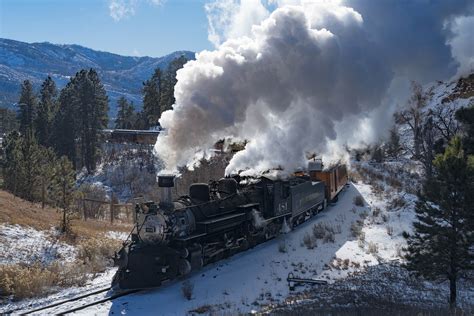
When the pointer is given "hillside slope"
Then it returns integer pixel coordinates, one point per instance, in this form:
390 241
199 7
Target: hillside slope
121 75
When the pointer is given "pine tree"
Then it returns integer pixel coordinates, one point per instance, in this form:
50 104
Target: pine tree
83 113
140 120
93 107
47 108
30 169
152 98
441 246
66 124
466 116
12 162
47 162
62 190
27 108
8 120
126 115
169 81
21 166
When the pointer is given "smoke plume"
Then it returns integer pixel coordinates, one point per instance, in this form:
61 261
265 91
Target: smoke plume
311 76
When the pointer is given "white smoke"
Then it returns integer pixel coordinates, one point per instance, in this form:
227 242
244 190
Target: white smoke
311 77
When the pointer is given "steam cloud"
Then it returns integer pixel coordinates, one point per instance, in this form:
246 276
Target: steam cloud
309 77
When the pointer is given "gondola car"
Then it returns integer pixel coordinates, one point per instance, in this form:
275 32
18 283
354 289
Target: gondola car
216 220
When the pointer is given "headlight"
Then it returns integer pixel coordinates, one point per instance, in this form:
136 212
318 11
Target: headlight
153 229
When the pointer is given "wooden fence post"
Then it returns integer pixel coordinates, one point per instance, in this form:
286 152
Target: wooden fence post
84 213
112 209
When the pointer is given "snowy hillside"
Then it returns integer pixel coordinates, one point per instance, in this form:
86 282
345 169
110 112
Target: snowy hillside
355 247
121 75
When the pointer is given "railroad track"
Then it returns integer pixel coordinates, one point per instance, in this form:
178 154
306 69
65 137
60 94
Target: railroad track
44 309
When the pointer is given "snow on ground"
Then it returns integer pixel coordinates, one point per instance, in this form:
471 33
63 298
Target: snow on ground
117 235
381 239
27 245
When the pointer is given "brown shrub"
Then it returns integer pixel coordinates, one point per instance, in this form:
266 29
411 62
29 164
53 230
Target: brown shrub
187 289
356 228
358 200
397 203
390 230
376 212
309 241
24 281
345 264
204 309
329 237
282 246
97 253
373 248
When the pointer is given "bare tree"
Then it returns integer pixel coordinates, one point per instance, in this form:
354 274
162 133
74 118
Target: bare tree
429 134
413 116
445 120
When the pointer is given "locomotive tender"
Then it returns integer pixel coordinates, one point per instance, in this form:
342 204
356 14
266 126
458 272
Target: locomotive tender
173 238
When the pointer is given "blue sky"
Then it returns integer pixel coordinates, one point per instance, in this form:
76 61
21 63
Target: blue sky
149 27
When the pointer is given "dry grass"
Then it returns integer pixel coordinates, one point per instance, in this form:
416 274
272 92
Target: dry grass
24 281
97 253
14 210
326 232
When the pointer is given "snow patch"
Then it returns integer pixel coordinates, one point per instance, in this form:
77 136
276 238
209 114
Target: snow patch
27 245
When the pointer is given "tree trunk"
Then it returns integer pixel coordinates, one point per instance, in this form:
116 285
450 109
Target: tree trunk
112 210
64 221
43 194
452 290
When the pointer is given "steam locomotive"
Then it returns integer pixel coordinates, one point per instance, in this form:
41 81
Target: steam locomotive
217 220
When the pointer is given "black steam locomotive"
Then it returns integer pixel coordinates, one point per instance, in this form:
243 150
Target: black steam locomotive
173 238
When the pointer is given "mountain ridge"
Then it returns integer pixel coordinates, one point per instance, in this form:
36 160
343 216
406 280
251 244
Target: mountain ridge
121 75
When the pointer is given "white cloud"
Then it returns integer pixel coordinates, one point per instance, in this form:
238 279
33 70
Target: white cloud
120 9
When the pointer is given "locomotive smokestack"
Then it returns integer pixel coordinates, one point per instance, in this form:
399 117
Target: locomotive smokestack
165 183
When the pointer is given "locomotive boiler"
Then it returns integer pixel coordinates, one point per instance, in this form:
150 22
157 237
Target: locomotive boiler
215 221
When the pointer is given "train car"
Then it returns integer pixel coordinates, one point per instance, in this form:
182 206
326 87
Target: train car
334 178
